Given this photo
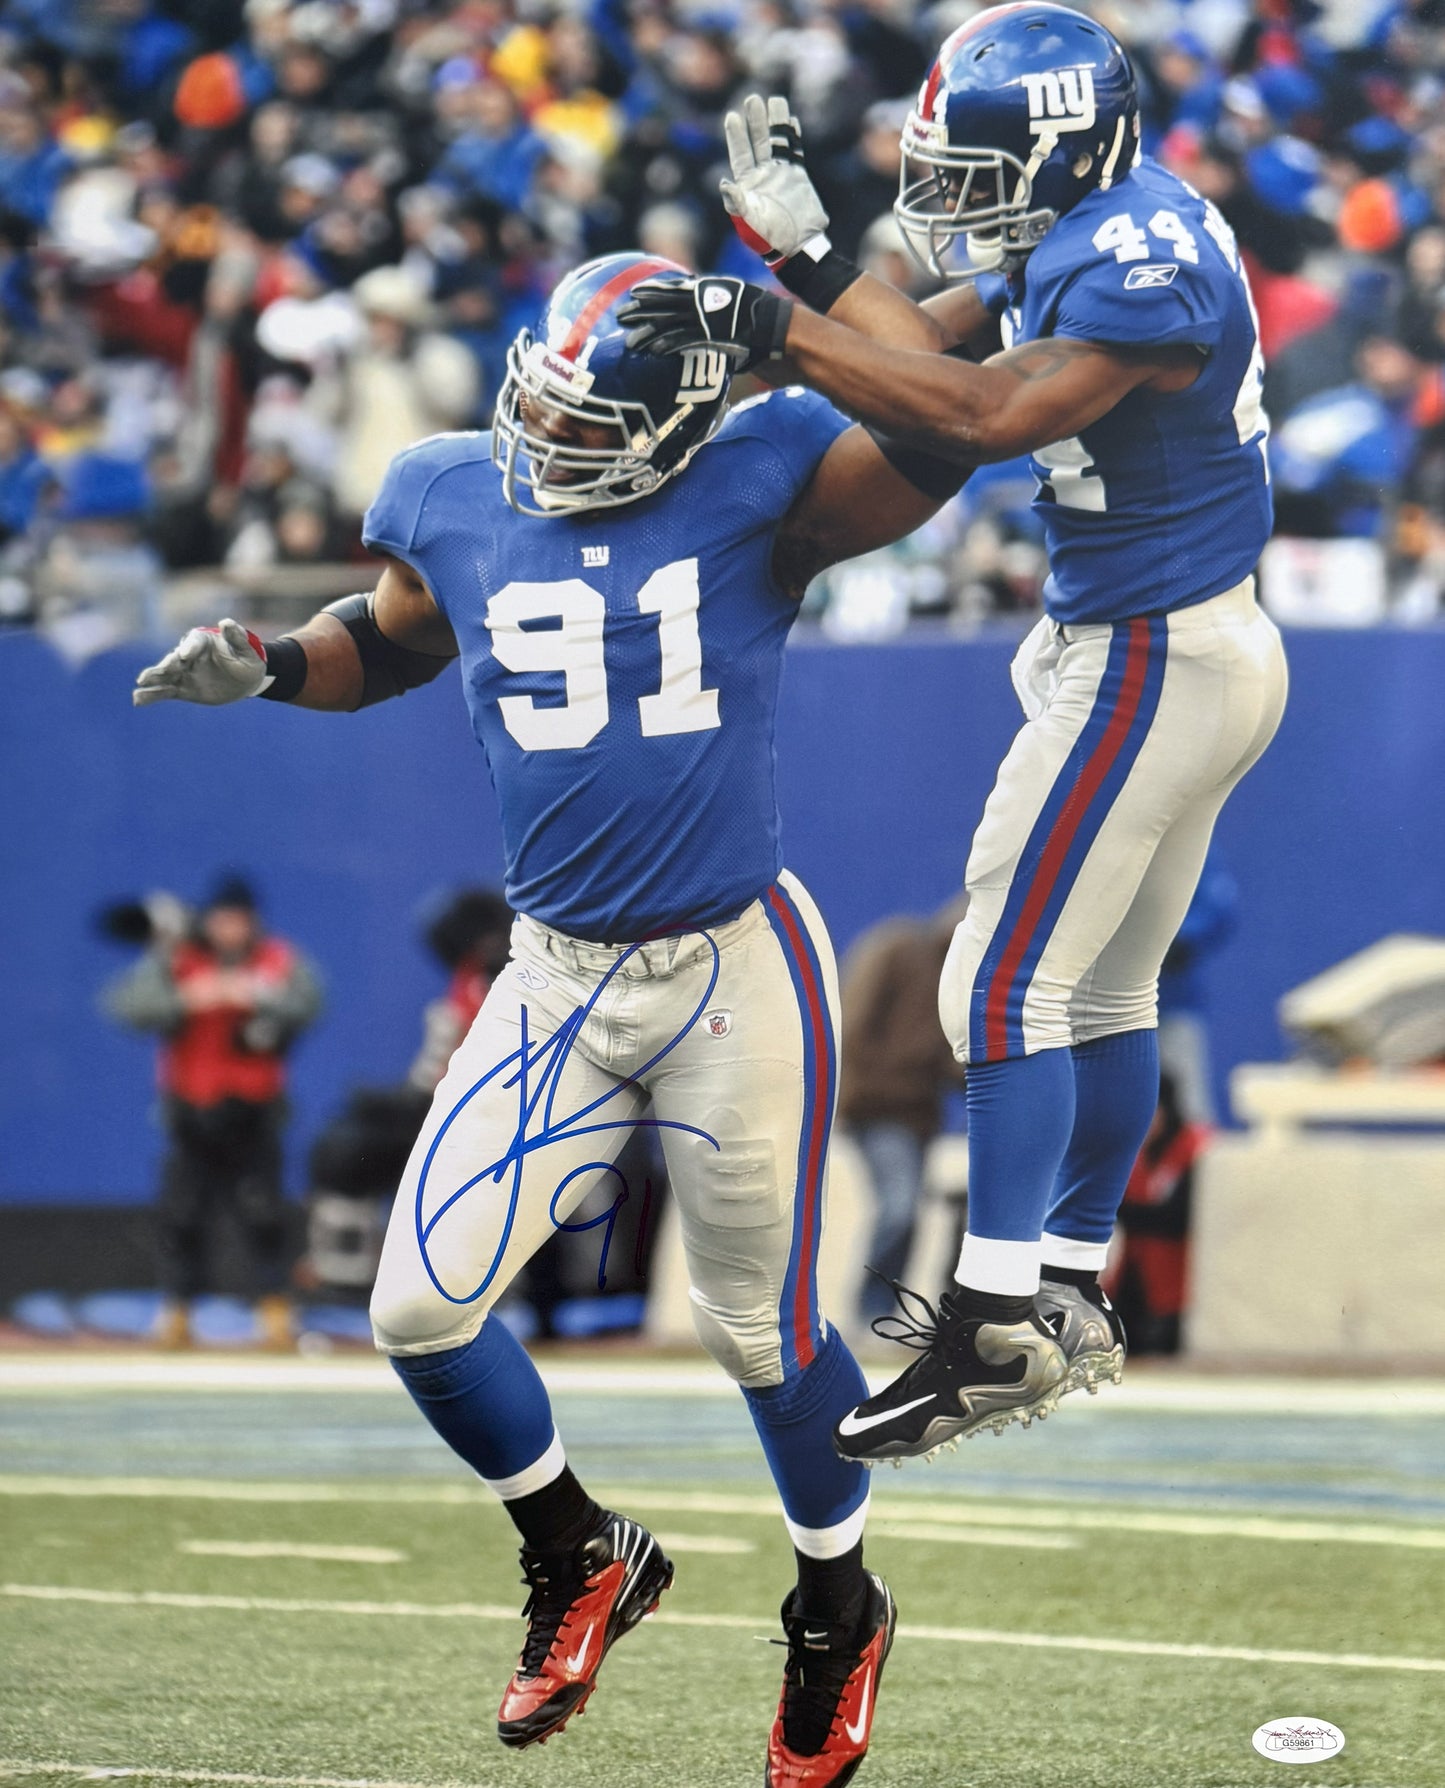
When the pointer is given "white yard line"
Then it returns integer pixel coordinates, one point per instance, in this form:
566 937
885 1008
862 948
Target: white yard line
903 1510
935 1534
720 1545
362 1555
1144 1648
64 1370
106 1772
241 1490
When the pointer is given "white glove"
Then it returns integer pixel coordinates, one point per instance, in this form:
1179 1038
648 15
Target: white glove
211 665
770 197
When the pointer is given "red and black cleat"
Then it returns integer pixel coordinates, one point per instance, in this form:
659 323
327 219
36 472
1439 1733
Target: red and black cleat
830 1688
581 1603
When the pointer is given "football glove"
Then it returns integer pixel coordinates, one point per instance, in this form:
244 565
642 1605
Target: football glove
748 324
211 665
770 197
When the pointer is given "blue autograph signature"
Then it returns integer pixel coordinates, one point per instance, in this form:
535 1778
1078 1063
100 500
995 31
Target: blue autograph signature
535 1070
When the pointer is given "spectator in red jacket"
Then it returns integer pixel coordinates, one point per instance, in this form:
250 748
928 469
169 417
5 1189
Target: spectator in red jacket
471 938
227 1001
1150 1283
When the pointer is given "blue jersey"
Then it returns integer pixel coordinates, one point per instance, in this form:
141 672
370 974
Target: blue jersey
1164 501
621 667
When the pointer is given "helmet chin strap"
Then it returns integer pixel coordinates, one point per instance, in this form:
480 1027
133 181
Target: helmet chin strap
1111 161
1043 149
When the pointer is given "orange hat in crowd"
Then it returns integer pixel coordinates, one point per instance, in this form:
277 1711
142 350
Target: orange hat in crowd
210 95
1370 221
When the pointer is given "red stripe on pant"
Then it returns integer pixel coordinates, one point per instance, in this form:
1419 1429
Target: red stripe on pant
1061 837
816 1019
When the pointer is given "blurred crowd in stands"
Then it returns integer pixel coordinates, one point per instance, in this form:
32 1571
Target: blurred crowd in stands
251 248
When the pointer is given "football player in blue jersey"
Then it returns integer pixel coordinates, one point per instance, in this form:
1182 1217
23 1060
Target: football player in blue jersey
618 566
1097 318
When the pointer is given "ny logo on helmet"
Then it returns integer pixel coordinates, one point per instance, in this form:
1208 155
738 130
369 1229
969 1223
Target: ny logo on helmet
704 374
1060 99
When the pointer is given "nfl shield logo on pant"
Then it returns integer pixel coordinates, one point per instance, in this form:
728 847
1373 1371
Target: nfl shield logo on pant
719 1023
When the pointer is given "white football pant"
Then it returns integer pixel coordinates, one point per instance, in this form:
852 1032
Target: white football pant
1093 839
727 1040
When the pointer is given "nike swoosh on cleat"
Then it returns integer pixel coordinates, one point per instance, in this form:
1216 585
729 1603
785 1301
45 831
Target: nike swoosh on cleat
581 1651
856 1733
853 1423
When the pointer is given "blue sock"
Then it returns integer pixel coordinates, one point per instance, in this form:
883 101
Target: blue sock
795 1422
1020 1114
486 1400
1116 1082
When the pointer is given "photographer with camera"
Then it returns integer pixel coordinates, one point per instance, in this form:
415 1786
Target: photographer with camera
228 1001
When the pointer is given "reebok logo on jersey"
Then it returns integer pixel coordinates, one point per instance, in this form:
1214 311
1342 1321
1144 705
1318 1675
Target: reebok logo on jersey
1156 273
596 557
1061 99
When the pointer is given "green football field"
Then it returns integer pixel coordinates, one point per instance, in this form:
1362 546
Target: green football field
231 1570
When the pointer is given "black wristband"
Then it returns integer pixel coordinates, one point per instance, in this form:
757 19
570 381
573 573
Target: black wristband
286 666
820 284
767 328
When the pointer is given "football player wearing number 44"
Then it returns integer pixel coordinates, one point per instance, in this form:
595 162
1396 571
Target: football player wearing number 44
618 567
1097 318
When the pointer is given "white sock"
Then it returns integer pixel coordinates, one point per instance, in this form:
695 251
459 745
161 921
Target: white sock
1008 1269
1079 1257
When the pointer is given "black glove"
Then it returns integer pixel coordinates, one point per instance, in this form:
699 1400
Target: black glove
745 322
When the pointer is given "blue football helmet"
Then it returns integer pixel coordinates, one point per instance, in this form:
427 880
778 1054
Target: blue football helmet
1027 109
657 409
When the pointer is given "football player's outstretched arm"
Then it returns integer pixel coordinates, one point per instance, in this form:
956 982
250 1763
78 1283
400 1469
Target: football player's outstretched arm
854 502
959 412
957 317
357 651
1013 403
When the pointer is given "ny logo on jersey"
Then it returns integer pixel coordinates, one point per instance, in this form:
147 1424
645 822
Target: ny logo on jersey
1060 99
704 373
596 556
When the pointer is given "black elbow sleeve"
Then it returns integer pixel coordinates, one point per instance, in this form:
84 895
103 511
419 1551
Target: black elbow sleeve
927 472
387 669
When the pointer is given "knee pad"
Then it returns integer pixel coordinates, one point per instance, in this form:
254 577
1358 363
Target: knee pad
411 1324
1110 1011
746 1344
795 1395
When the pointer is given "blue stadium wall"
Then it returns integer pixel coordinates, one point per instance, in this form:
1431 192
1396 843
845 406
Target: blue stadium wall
348 825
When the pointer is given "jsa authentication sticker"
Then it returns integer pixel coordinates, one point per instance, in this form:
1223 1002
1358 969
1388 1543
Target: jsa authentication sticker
1298 1739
